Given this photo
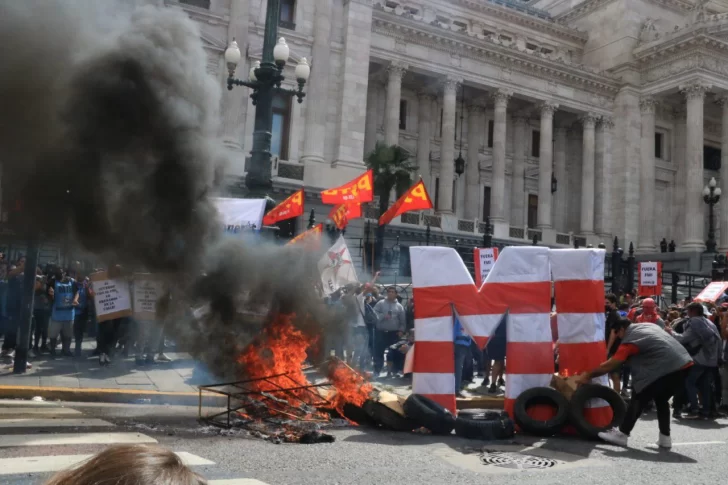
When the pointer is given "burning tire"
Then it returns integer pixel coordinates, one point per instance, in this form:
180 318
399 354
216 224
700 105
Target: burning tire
595 391
357 414
482 429
429 414
387 418
541 396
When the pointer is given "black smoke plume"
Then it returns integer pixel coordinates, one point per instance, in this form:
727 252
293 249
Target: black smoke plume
108 135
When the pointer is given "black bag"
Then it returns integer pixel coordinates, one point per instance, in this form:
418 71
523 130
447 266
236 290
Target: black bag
370 317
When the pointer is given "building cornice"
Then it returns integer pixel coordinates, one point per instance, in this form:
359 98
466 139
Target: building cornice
509 57
589 6
200 14
531 21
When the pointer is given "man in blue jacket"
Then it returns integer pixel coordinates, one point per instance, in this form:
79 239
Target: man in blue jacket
462 352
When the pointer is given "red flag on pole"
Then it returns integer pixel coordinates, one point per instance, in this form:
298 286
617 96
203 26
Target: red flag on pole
310 238
416 198
288 209
343 213
358 190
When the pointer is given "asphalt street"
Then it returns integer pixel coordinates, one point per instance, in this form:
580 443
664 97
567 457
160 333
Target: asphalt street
36 438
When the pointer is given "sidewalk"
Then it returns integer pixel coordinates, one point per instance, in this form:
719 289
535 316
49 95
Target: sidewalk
83 379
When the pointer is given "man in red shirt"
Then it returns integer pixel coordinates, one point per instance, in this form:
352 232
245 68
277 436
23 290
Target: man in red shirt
659 364
649 313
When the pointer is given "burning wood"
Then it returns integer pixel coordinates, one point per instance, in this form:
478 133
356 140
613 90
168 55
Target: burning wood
277 401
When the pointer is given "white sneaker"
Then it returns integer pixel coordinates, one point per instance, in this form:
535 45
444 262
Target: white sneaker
664 442
614 436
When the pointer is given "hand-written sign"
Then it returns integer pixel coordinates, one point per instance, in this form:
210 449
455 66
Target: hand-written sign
712 292
648 274
148 289
484 261
111 297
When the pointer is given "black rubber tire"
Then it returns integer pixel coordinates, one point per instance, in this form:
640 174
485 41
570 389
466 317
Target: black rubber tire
541 395
592 391
387 418
481 429
357 414
429 414
482 415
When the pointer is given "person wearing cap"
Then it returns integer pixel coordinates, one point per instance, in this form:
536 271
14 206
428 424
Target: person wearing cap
649 313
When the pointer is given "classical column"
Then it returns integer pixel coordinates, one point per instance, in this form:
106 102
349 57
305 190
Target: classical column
604 177
722 101
476 115
447 146
587 175
561 195
318 87
679 117
646 241
518 189
424 135
694 217
545 167
395 72
498 176
235 102
370 128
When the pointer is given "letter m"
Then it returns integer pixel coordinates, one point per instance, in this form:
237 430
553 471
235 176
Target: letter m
518 287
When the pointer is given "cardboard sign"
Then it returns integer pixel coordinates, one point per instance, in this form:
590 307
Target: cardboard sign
147 289
648 274
111 297
712 292
484 260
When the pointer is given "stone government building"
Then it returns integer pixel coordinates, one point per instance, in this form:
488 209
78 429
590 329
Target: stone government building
581 118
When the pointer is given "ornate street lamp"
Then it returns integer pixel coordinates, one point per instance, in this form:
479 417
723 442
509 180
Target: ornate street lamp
554 183
265 78
460 161
711 196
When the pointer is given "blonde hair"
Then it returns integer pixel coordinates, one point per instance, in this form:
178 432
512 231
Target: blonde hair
130 465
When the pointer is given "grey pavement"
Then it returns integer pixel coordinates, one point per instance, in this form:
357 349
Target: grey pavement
85 373
369 456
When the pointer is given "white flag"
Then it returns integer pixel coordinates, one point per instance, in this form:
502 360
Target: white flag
336 267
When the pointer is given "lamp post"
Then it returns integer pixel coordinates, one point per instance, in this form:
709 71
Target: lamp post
711 196
460 161
265 78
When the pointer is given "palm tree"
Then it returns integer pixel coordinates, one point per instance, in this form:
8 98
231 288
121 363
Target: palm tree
392 170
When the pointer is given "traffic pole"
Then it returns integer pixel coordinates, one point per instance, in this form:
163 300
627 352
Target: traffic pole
23 343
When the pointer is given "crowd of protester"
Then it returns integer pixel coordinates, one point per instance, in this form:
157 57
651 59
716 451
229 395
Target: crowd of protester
63 315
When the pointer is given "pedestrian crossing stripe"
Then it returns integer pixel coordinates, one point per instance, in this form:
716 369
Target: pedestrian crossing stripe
45 464
13 440
52 423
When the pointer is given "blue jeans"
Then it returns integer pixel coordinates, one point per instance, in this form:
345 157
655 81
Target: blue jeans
3 299
699 379
461 353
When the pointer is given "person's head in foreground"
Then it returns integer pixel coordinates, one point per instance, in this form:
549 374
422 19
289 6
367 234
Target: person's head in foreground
130 465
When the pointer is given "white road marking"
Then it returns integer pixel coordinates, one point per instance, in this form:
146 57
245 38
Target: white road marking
23 402
51 423
696 443
236 481
44 464
15 411
12 440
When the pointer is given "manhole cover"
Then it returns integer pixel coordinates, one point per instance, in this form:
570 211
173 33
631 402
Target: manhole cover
516 461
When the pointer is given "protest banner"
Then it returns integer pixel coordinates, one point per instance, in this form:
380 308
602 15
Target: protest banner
343 213
484 260
288 209
112 298
712 292
416 198
147 290
650 279
240 215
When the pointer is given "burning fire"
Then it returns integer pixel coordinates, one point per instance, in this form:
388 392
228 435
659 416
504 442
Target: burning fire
279 356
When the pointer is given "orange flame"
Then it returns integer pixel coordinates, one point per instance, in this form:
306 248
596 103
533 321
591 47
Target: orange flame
349 386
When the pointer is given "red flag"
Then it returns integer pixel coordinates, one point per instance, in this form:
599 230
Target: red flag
289 208
357 190
416 198
343 213
311 237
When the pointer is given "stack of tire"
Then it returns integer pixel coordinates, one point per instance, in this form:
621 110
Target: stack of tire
426 413
567 412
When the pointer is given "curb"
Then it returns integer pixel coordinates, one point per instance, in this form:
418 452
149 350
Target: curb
119 396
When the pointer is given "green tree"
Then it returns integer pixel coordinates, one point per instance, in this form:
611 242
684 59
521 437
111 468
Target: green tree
392 169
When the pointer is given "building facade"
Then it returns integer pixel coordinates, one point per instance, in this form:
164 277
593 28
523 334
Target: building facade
582 119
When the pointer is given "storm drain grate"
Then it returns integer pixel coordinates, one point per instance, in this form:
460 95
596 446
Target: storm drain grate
516 461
